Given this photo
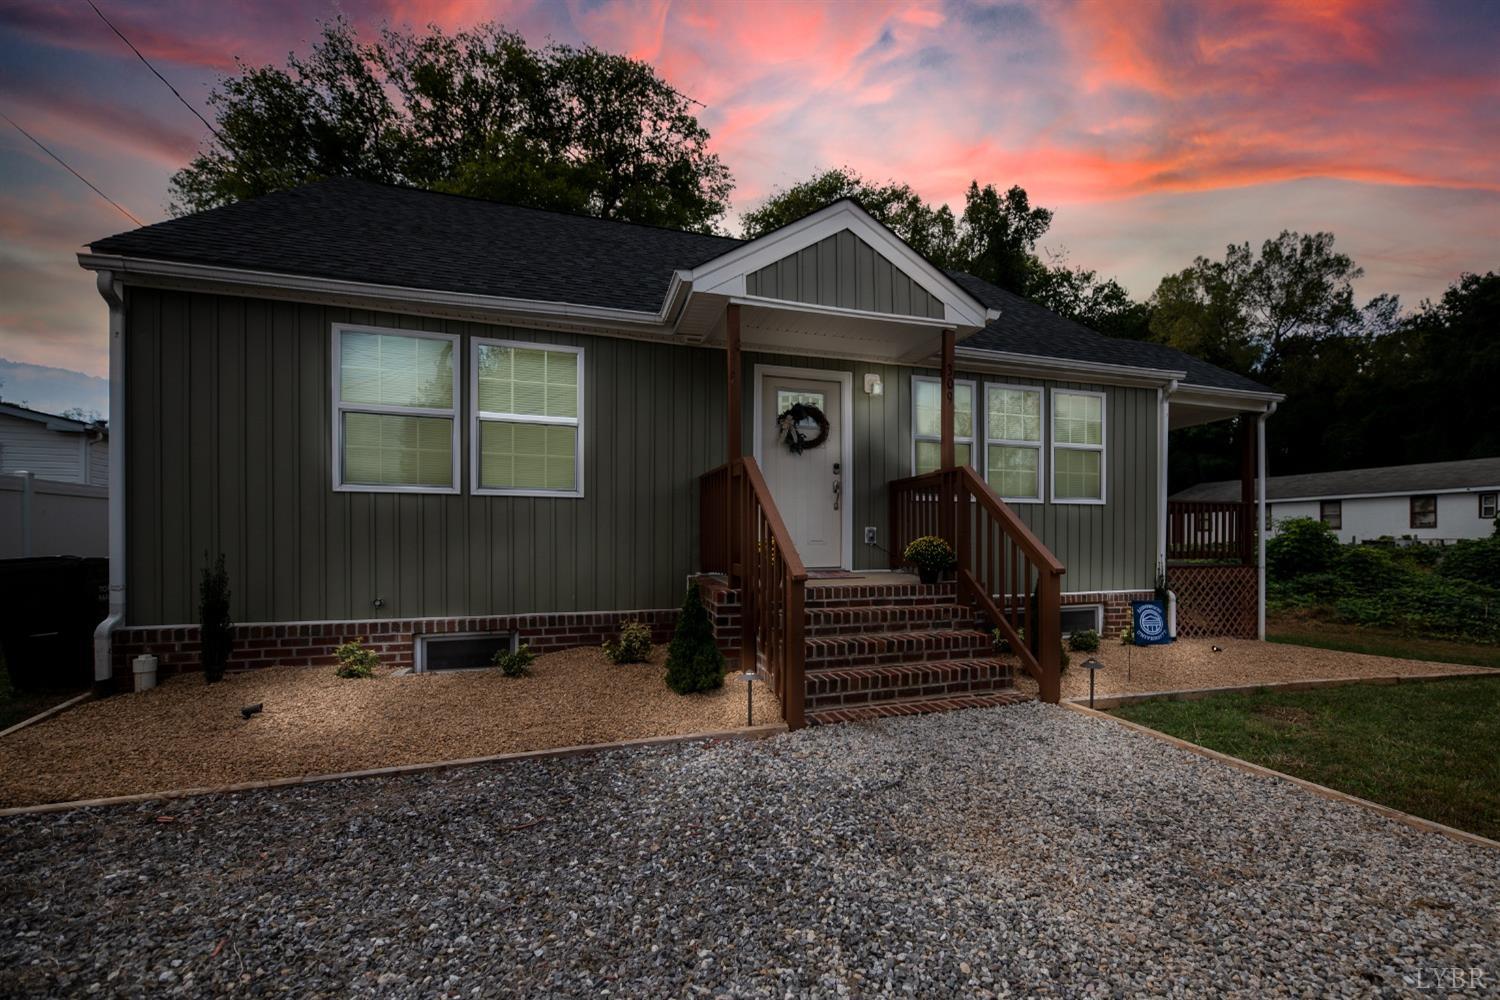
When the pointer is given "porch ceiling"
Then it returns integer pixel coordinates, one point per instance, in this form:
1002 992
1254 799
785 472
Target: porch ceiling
798 328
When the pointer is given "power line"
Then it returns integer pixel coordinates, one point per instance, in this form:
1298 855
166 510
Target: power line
59 159
207 124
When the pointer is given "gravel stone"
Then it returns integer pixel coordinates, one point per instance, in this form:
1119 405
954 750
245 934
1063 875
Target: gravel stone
1023 850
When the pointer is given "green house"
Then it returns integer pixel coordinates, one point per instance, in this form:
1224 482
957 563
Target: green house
423 418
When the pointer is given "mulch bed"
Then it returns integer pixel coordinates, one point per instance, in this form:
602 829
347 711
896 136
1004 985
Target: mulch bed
1192 664
186 734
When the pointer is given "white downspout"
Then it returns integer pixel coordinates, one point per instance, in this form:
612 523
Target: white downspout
1260 522
113 293
1163 411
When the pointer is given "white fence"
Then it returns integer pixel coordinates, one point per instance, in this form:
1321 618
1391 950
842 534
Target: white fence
48 518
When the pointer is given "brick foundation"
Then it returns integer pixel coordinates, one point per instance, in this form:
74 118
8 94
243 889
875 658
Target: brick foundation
1215 600
1116 607
303 644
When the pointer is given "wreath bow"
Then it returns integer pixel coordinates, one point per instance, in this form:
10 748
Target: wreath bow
789 427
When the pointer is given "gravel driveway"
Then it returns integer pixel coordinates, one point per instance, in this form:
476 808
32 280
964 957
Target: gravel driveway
1020 850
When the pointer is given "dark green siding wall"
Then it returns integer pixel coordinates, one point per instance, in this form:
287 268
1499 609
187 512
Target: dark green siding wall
229 449
1110 546
843 270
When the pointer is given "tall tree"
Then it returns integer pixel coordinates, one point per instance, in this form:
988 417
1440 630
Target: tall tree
478 112
1244 311
930 230
998 236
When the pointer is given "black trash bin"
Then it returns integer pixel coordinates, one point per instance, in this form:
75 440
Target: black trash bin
50 608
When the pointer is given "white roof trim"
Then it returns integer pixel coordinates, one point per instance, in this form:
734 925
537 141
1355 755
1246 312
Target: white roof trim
725 274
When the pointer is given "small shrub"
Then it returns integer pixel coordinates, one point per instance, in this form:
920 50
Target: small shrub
1085 641
1368 569
1127 635
929 554
515 663
694 662
1302 546
1063 659
216 630
356 660
633 646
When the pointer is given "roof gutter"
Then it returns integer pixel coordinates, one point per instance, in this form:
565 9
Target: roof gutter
113 292
1007 362
338 288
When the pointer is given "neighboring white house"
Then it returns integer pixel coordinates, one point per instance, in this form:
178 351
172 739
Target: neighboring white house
64 508
1429 502
61 449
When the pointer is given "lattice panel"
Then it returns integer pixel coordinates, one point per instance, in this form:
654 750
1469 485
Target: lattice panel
1214 600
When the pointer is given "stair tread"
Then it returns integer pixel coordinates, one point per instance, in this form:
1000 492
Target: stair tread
895 668
914 706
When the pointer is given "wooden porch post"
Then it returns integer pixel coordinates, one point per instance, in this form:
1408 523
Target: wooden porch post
735 506
948 492
735 383
947 413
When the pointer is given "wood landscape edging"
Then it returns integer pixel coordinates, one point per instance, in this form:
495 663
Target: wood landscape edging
1417 822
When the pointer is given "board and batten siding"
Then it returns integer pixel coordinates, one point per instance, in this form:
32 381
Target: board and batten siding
1109 546
843 270
229 410
229 449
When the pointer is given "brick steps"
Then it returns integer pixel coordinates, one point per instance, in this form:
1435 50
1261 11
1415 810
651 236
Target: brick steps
826 621
833 595
917 706
874 649
832 687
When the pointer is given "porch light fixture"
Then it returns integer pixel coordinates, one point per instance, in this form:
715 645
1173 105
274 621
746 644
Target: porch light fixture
1092 666
873 385
749 677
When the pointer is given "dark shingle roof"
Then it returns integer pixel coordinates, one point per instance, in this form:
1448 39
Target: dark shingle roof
1424 477
381 234
1027 328
405 237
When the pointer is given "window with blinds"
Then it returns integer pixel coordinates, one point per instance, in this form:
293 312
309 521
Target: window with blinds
528 405
395 411
1077 447
1013 441
927 424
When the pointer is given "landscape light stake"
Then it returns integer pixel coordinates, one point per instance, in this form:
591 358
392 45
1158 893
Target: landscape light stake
749 677
1091 665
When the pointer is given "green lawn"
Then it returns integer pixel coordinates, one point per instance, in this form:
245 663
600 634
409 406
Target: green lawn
1379 642
1431 749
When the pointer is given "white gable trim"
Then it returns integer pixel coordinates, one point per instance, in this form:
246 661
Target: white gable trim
725 275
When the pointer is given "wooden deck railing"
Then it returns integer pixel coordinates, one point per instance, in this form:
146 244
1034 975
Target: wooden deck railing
1217 531
1015 580
742 535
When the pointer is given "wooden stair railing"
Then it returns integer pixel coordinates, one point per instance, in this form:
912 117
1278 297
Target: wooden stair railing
1005 569
742 535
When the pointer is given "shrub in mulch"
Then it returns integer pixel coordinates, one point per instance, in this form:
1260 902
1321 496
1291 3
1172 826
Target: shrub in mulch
633 646
694 662
516 663
356 661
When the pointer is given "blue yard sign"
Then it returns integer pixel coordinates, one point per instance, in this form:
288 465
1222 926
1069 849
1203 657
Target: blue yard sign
1150 623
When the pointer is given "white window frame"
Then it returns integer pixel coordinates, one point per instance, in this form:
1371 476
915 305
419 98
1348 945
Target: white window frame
1040 444
340 408
476 416
915 437
1097 609
1102 447
1494 502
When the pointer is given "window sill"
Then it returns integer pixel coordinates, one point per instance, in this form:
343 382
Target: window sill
430 490
554 494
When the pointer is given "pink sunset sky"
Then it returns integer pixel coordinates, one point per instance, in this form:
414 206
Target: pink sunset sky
1156 131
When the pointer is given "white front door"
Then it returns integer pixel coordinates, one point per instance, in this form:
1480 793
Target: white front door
807 487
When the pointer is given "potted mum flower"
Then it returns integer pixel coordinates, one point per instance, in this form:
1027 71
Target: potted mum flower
931 556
